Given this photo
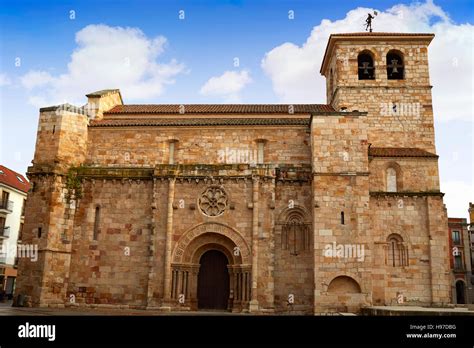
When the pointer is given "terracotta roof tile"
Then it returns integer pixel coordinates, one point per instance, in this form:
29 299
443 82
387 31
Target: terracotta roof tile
170 122
399 152
13 179
220 109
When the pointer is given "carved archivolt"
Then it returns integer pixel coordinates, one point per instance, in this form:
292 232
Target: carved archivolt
188 243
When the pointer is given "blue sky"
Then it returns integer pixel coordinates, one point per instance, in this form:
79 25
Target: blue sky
199 55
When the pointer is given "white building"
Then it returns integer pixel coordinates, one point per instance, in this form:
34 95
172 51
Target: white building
13 191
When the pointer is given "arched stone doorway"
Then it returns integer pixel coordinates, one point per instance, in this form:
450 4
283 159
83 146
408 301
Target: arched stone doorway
460 292
210 247
213 281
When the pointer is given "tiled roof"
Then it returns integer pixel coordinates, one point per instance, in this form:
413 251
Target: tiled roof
220 109
399 152
13 179
190 122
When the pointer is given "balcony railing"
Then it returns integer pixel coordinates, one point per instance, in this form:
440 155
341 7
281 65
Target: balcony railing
6 205
3 259
5 232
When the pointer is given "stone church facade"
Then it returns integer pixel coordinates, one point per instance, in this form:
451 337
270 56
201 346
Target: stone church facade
248 208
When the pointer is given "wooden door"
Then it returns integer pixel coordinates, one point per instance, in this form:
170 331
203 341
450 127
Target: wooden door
213 281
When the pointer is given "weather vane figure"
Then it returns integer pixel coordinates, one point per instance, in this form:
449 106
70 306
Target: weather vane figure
368 21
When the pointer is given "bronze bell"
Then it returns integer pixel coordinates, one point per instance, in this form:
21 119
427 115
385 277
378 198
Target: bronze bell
394 66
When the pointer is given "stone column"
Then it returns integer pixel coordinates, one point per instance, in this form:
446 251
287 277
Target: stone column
253 306
230 302
169 237
150 304
193 285
271 241
237 290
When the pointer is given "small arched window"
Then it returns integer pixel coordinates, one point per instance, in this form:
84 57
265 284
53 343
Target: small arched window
391 177
397 252
395 66
365 64
295 235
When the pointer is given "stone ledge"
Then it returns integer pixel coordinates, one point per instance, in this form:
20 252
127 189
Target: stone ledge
206 172
340 173
44 169
414 310
406 194
102 172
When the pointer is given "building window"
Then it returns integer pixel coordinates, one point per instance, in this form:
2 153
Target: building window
2 223
342 218
213 201
397 252
171 158
458 261
96 223
172 152
295 235
366 67
395 67
5 197
260 152
391 180
40 232
20 232
456 237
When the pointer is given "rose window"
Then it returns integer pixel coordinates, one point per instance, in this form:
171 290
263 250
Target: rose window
213 201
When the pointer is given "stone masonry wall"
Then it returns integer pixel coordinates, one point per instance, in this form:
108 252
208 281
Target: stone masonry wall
61 138
114 268
406 217
413 174
411 124
293 273
48 225
150 146
341 186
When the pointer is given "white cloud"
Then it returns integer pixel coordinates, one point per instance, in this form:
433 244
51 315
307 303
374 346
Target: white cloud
38 101
294 69
4 80
107 57
457 196
34 79
228 85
